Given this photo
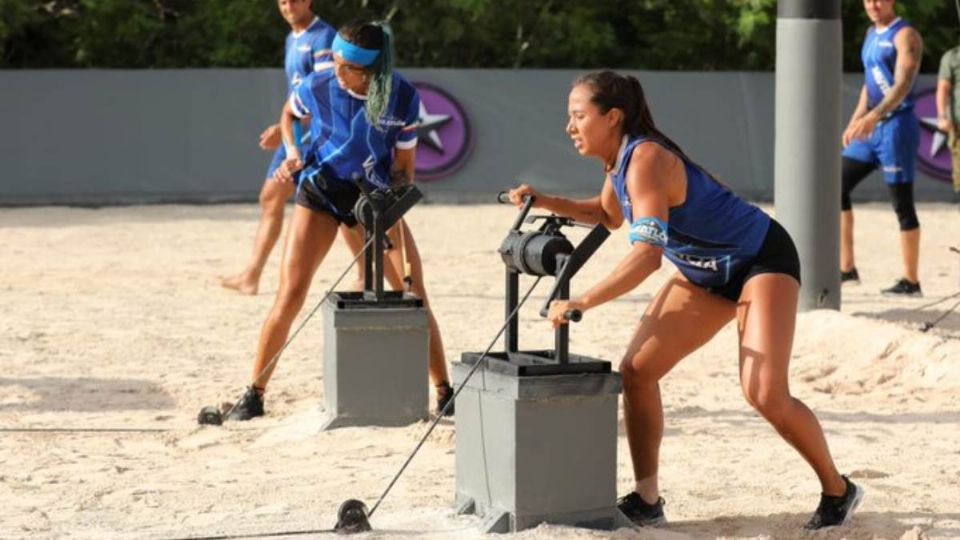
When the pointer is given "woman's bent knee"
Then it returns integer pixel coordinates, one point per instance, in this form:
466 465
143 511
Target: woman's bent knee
774 406
635 374
274 195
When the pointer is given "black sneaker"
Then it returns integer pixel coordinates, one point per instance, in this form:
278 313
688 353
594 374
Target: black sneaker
444 396
641 513
903 288
836 511
249 406
852 277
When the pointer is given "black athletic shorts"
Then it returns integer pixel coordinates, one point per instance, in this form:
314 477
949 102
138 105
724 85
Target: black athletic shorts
777 255
336 198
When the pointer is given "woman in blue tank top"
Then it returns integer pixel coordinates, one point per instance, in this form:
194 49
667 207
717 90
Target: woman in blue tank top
363 119
734 263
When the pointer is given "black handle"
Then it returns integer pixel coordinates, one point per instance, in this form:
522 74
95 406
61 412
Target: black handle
527 205
573 315
504 198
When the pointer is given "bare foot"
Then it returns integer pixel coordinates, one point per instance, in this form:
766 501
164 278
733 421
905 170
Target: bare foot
240 283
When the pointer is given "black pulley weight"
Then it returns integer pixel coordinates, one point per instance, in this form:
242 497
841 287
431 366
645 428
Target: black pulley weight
352 517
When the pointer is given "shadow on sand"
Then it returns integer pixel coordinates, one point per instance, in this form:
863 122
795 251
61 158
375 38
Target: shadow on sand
51 394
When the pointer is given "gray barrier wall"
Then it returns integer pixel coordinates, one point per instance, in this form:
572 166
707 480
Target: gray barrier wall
108 137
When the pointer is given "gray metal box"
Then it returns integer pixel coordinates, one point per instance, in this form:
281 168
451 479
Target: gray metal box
534 449
375 364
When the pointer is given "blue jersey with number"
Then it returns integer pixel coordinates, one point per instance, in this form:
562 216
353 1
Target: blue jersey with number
351 148
711 236
305 52
308 51
879 57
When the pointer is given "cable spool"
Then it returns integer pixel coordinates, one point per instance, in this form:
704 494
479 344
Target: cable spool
392 202
363 209
534 252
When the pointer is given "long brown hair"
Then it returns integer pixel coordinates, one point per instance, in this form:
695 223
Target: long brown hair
612 90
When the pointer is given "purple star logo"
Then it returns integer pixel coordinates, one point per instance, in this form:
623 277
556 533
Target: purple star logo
444 137
932 153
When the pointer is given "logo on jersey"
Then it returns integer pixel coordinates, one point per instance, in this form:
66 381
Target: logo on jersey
933 152
881 80
370 171
444 138
391 121
704 263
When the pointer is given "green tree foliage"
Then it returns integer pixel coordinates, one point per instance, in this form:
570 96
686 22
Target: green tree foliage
936 20
34 34
639 34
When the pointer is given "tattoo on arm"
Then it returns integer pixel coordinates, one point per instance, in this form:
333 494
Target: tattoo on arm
905 73
398 176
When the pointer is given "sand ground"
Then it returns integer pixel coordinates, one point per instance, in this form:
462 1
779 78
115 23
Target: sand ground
113 333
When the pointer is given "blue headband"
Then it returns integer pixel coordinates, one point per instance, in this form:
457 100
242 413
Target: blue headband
353 54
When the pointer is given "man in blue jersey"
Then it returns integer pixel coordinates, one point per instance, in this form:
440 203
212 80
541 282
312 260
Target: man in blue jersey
307 50
883 132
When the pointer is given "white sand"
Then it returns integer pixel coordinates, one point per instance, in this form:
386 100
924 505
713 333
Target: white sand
113 334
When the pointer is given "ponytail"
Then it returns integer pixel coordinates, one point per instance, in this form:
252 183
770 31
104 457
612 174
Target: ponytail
378 96
374 36
642 122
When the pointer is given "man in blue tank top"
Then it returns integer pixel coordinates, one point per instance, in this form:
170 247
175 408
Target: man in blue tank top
307 50
883 132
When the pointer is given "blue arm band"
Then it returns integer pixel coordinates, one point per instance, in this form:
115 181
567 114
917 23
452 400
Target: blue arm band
649 230
353 54
297 133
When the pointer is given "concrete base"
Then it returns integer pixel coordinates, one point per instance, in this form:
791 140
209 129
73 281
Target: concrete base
375 362
535 449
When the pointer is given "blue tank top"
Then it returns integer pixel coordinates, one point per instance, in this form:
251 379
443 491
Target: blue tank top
711 236
879 57
307 52
351 149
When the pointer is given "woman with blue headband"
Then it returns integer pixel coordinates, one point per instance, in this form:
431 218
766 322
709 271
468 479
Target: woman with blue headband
363 119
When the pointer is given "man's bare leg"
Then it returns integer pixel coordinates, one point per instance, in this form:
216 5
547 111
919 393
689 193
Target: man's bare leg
273 199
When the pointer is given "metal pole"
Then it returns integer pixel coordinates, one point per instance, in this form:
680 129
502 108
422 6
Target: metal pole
561 338
380 235
511 334
807 130
368 263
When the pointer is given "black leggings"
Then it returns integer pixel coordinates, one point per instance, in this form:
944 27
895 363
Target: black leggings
901 195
